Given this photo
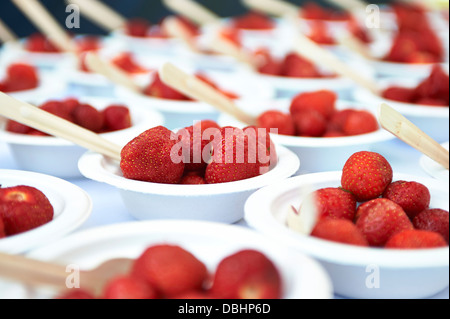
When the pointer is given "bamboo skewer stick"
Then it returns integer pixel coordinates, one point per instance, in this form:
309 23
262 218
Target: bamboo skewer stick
6 34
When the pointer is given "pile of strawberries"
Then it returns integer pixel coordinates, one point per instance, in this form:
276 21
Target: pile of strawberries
253 21
112 118
203 153
415 41
372 210
142 28
314 114
23 208
433 91
19 77
171 272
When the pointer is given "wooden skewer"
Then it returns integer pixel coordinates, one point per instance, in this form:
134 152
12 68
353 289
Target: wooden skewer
51 124
100 13
175 29
320 56
43 20
223 46
193 11
111 72
273 7
402 128
199 90
6 34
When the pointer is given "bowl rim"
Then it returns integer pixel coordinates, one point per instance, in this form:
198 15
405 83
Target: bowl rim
139 114
76 210
319 284
258 215
92 166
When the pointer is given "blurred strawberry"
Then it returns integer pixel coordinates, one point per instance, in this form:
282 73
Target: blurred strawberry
297 67
20 77
89 117
322 101
266 63
116 118
160 90
274 119
127 62
335 203
253 21
309 123
16 127
137 27
37 42
128 287
436 220
400 94
360 122
416 239
2 228
339 230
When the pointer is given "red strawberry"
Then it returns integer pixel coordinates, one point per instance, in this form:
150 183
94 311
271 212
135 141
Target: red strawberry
261 148
89 117
88 43
247 274
230 161
435 87
39 43
253 21
380 219
277 120
21 76
196 149
151 157
360 122
193 178
116 118
57 108
160 90
76 294
266 63
366 175
170 269
400 94
2 228
128 287
416 239
127 62
23 208
16 127
297 67
337 121
232 35
309 123
320 33
413 197
335 203
137 27
69 104
436 220
322 101
339 230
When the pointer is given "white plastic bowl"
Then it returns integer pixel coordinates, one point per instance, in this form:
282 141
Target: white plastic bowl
185 113
218 203
433 120
435 169
401 274
315 153
72 207
59 157
302 277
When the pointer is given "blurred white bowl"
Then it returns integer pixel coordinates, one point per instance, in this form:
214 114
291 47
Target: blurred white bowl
215 202
314 153
59 157
433 120
435 169
302 277
72 207
353 270
185 113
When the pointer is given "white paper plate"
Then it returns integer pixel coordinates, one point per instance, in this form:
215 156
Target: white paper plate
435 169
402 274
216 202
303 278
72 206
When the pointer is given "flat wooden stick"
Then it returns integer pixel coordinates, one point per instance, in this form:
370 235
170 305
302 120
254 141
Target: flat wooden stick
223 46
320 56
200 90
51 124
101 14
193 11
175 29
44 21
405 130
111 72
273 7
6 34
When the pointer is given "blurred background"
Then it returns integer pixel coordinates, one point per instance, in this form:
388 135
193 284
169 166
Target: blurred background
152 10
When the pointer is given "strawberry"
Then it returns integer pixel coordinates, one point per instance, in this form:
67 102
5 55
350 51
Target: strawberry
253 21
230 161
337 121
380 219
322 101
416 239
436 220
39 43
320 33
150 157
88 117
76 294
232 35
435 87
247 274
16 127
360 122
335 203
128 287
266 63
2 229
126 61
137 27
297 67
88 43
400 94
159 89
274 119
193 178
23 208
413 197
19 77
116 118
309 123
339 230
69 104
261 147
170 269
57 108
366 175
196 149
